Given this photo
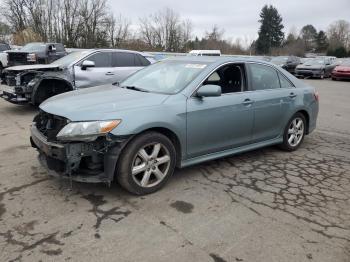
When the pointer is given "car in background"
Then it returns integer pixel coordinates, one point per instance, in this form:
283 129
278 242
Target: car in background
36 53
288 63
342 71
316 68
81 69
175 113
205 53
3 56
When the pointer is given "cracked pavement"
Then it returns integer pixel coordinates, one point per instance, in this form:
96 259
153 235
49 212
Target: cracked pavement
265 205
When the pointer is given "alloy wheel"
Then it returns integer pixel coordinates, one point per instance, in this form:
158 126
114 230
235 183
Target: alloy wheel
296 132
150 165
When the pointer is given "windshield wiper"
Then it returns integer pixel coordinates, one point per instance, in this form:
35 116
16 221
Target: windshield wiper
135 88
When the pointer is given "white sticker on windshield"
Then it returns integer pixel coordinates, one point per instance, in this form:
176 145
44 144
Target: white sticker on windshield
195 66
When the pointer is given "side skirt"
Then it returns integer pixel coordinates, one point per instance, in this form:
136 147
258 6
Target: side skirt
229 152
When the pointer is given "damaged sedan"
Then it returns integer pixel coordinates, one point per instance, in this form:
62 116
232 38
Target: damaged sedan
81 69
174 113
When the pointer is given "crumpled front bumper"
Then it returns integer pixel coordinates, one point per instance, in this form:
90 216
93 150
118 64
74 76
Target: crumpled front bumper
9 94
91 162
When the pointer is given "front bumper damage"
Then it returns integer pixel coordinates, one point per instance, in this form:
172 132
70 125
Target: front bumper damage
14 94
91 162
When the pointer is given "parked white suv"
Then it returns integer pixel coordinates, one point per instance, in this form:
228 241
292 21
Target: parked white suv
3 56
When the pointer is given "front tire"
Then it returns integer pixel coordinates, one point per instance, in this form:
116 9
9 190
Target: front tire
294 133
146 163
323 75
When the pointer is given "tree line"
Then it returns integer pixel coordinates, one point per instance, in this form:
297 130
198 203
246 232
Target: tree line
335 41
91 24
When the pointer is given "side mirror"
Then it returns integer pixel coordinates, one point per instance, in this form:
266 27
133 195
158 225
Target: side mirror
86 64
209 91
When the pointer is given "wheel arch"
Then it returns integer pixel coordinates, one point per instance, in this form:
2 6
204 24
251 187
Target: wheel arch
170 134
47 83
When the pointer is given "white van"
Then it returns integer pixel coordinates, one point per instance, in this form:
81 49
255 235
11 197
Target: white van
205 53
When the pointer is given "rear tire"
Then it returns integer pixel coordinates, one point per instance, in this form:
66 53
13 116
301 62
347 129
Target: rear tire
294 133
146 163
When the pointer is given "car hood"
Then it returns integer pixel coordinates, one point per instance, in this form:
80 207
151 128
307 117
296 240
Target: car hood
343 68
99 103
19 51
31 67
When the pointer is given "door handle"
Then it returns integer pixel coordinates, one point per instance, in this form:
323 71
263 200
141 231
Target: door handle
109 74
248 102
292 95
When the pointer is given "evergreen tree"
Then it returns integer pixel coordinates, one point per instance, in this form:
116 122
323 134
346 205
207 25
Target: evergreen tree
309 35
270 32
322 41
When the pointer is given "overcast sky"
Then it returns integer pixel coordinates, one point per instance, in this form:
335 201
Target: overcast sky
239 18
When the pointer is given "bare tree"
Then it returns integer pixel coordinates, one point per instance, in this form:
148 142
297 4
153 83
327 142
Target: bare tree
339 34
165 30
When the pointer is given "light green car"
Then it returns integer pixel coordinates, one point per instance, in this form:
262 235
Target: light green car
174 113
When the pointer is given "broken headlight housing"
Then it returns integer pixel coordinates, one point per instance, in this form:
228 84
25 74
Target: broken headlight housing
31 57
86 131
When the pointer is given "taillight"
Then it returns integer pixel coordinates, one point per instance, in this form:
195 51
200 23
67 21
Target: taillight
316 95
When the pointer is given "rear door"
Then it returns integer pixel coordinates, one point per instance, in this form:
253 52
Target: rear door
273 103
101 74
125 64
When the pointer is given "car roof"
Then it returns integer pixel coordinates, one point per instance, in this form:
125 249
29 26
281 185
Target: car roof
217 59
110 50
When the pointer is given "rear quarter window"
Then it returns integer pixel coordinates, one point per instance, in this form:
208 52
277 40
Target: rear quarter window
285 83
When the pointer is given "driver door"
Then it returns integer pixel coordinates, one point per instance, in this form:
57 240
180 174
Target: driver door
218 123
101 73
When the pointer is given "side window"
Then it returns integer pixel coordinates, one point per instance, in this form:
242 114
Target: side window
230 78
102 59
59 48
263 77
141 61
285 83
123 59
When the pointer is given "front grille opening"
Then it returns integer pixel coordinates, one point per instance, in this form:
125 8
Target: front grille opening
91 165
49 125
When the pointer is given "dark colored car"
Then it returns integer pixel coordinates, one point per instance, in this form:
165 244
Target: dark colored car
316 68
36 53
288 63
342 71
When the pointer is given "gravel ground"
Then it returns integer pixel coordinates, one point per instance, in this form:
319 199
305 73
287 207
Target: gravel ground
265 205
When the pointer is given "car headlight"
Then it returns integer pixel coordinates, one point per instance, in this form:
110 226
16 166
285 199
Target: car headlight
31 57
86 131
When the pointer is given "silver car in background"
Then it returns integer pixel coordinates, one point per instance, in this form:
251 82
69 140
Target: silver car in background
81 69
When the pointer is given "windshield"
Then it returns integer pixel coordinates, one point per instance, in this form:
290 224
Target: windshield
279 59
315 62
34 47
71 58
168 77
